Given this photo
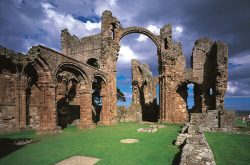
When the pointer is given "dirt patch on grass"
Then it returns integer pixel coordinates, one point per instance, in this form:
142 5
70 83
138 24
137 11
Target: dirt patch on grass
129 141
79 160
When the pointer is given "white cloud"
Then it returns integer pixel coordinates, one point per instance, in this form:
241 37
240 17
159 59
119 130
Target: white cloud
142 38
101 5
127 95
112 2
245 92
126 54
232 88
92 26
240 59
177 31
58 21
153 28
190 85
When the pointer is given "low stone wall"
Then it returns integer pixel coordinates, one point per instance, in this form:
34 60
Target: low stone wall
46 131
206 120
195 149
213 120
227 119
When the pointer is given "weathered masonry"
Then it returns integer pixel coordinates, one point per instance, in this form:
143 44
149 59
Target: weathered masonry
45 89
144 98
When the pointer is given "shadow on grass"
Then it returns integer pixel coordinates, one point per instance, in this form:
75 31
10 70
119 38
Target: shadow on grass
7 146
177 157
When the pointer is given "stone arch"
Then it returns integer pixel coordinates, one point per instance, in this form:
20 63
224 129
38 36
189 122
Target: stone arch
99 89
73 95
32 91
73 68
103 76
40 65
182 90
40 112
140 30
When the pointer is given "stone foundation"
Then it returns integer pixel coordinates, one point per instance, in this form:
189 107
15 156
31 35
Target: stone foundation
195 149
45 131
213 120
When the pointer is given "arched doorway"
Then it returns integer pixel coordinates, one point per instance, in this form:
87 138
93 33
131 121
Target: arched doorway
98 99
142 81
190 93
32 91
71 81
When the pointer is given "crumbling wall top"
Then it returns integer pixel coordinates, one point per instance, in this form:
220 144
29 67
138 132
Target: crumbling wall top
12 55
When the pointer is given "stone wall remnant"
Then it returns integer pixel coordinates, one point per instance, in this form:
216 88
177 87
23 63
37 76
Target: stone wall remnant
36 88
144 97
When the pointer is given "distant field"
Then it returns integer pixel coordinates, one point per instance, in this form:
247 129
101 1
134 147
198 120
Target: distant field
243 127
102 142
238 113
229 149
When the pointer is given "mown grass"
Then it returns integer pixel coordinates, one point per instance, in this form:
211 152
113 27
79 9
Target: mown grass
101 142
229 148
243 127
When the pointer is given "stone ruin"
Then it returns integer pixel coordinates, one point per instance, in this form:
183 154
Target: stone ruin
144 105
46 89
144 97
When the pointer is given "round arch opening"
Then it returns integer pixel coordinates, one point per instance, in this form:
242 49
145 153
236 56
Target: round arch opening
144 89
98 101
70 79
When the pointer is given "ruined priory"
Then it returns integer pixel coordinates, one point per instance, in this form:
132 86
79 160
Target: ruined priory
38 88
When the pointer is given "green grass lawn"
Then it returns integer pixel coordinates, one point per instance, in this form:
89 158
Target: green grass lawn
229 148
101 142
243 127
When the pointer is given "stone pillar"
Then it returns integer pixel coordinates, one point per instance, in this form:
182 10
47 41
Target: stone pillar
197 98
162 98
85 97
20 88
47 109
103 118
221 74
110 113
113 101
172 67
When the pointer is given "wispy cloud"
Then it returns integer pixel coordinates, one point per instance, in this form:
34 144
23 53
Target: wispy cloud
60 21
153 28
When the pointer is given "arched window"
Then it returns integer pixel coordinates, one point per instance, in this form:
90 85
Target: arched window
93 62
166 43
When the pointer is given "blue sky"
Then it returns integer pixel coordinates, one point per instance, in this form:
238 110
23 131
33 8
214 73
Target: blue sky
30 22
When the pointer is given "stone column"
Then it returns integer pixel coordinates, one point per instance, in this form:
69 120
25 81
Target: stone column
24 113
47 109
113 101
162 98
85 97
104 111
222 73
21 101
197 98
